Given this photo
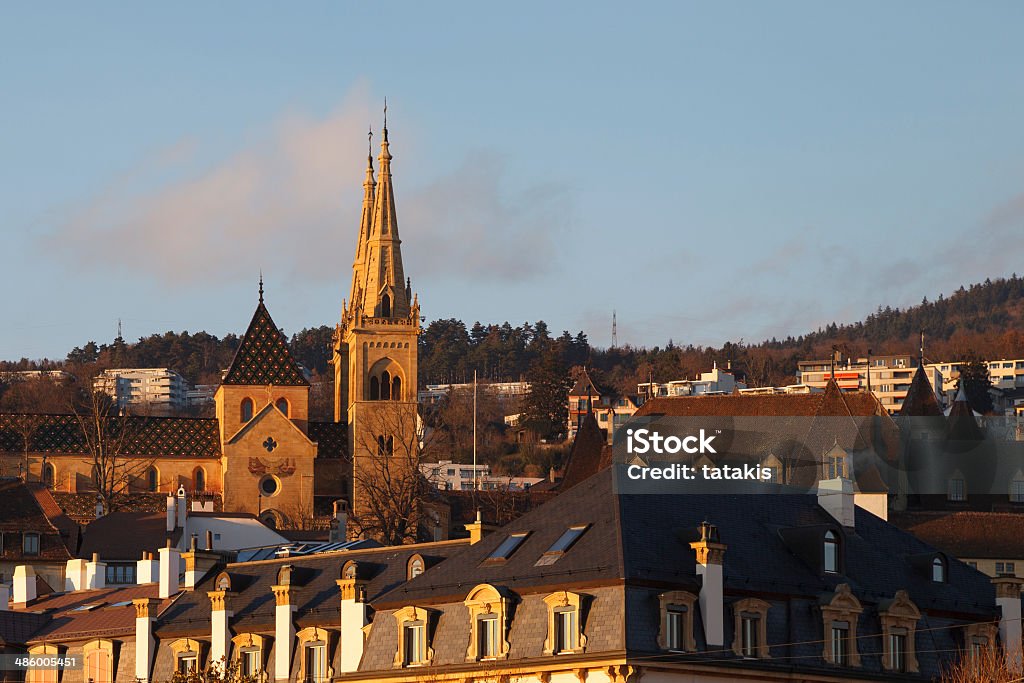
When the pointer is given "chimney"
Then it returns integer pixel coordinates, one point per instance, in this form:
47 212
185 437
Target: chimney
182 507
1008 601
171 521
75 575
5 597
220 635
284 625
209 539
353 619
147 570
339 529
477 529
197 564
710 555
145 645
170 567
96 573
837 498
24 584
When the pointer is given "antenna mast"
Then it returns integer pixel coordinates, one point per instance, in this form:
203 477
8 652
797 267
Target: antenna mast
615 331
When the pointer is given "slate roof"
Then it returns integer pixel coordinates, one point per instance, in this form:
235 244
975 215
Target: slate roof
313 579
968 534
145 435
586 457
21 513
920 400
122 536
16 628
263 357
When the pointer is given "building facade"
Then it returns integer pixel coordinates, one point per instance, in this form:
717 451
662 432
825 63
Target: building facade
154 388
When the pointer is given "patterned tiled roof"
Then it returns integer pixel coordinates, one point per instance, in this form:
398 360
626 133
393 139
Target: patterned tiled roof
147 436
263 357
330 437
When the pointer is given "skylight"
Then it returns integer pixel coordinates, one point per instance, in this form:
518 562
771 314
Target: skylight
507 547
565 541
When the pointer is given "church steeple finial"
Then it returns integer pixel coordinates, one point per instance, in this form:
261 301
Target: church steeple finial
261 285
385 119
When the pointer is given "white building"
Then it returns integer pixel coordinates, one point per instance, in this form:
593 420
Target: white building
452 476
503 390
1005 374
889 377
155 387
717 381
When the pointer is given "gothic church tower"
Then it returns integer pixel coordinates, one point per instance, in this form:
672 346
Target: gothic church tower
374 346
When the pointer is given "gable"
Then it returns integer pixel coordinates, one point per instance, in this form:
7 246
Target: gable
269 419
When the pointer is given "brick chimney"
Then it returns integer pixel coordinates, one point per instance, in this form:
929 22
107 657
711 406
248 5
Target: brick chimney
710 556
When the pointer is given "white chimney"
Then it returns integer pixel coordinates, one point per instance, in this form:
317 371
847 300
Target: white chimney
710 556
339 529
171 523
24 584
837 498
147 570
96 573
353 619
220 633
5 597
145 644
170 570
75 575
182 507
1008 601
284 624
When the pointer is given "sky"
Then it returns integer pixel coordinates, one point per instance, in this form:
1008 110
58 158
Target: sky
708 171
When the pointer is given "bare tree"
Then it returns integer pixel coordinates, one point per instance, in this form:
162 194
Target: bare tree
28 401
988 664
389 490
108 435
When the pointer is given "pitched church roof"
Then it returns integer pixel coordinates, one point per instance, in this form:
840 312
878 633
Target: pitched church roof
920 400
263 357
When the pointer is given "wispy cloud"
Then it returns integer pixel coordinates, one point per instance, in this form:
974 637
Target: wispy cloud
290 204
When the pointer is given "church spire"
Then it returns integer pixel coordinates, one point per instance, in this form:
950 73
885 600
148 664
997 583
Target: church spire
365 223
384 294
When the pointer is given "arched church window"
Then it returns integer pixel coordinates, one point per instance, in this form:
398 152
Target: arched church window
390 449
396 388
49 475
385 386
380 446
282 405
199 479
374 389
247 409
385 306
152 480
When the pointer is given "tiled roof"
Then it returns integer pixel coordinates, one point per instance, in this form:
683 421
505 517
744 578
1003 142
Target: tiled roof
21 513
974 535
16 628
108 618
331 439
263 357
144 435
124 535
920 400
584 386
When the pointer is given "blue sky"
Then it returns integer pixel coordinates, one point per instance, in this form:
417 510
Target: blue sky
712 171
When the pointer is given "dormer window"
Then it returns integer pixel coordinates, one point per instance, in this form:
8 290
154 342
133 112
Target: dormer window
415 567
565 632
750 639
831 550
676 633
487 636
938 570
413 638
955 488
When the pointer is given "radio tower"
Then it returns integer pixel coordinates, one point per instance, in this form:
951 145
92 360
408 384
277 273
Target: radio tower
615 331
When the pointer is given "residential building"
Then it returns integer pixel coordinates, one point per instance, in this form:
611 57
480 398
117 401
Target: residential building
717 381
593 585
452 476
153 388
504 391
34 531
611 412
1005 374
888 377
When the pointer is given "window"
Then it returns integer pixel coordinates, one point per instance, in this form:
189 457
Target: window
840 643
750 638
315 662
898 650
1005 568
560 546
831 548
413 643
249 662
938 570
507 547
899 618
1017 489
972 564
415 566
30 544
374 389
269 486
839 619
385 386
385 306
396 388
199 479
246 409
120 574
282 405
49 475
677 621
487 636
187 662
565 630
99 661
414 636
42 675
955 491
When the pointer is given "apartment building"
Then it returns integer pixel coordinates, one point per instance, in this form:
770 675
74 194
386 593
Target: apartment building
503 390
452 476
1005 374
888 377
155 387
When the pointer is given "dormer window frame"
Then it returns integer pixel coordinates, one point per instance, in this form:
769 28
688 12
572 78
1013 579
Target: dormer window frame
839 619
489 611
676 633
413 648
565 624
899 620
832 552
750 635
